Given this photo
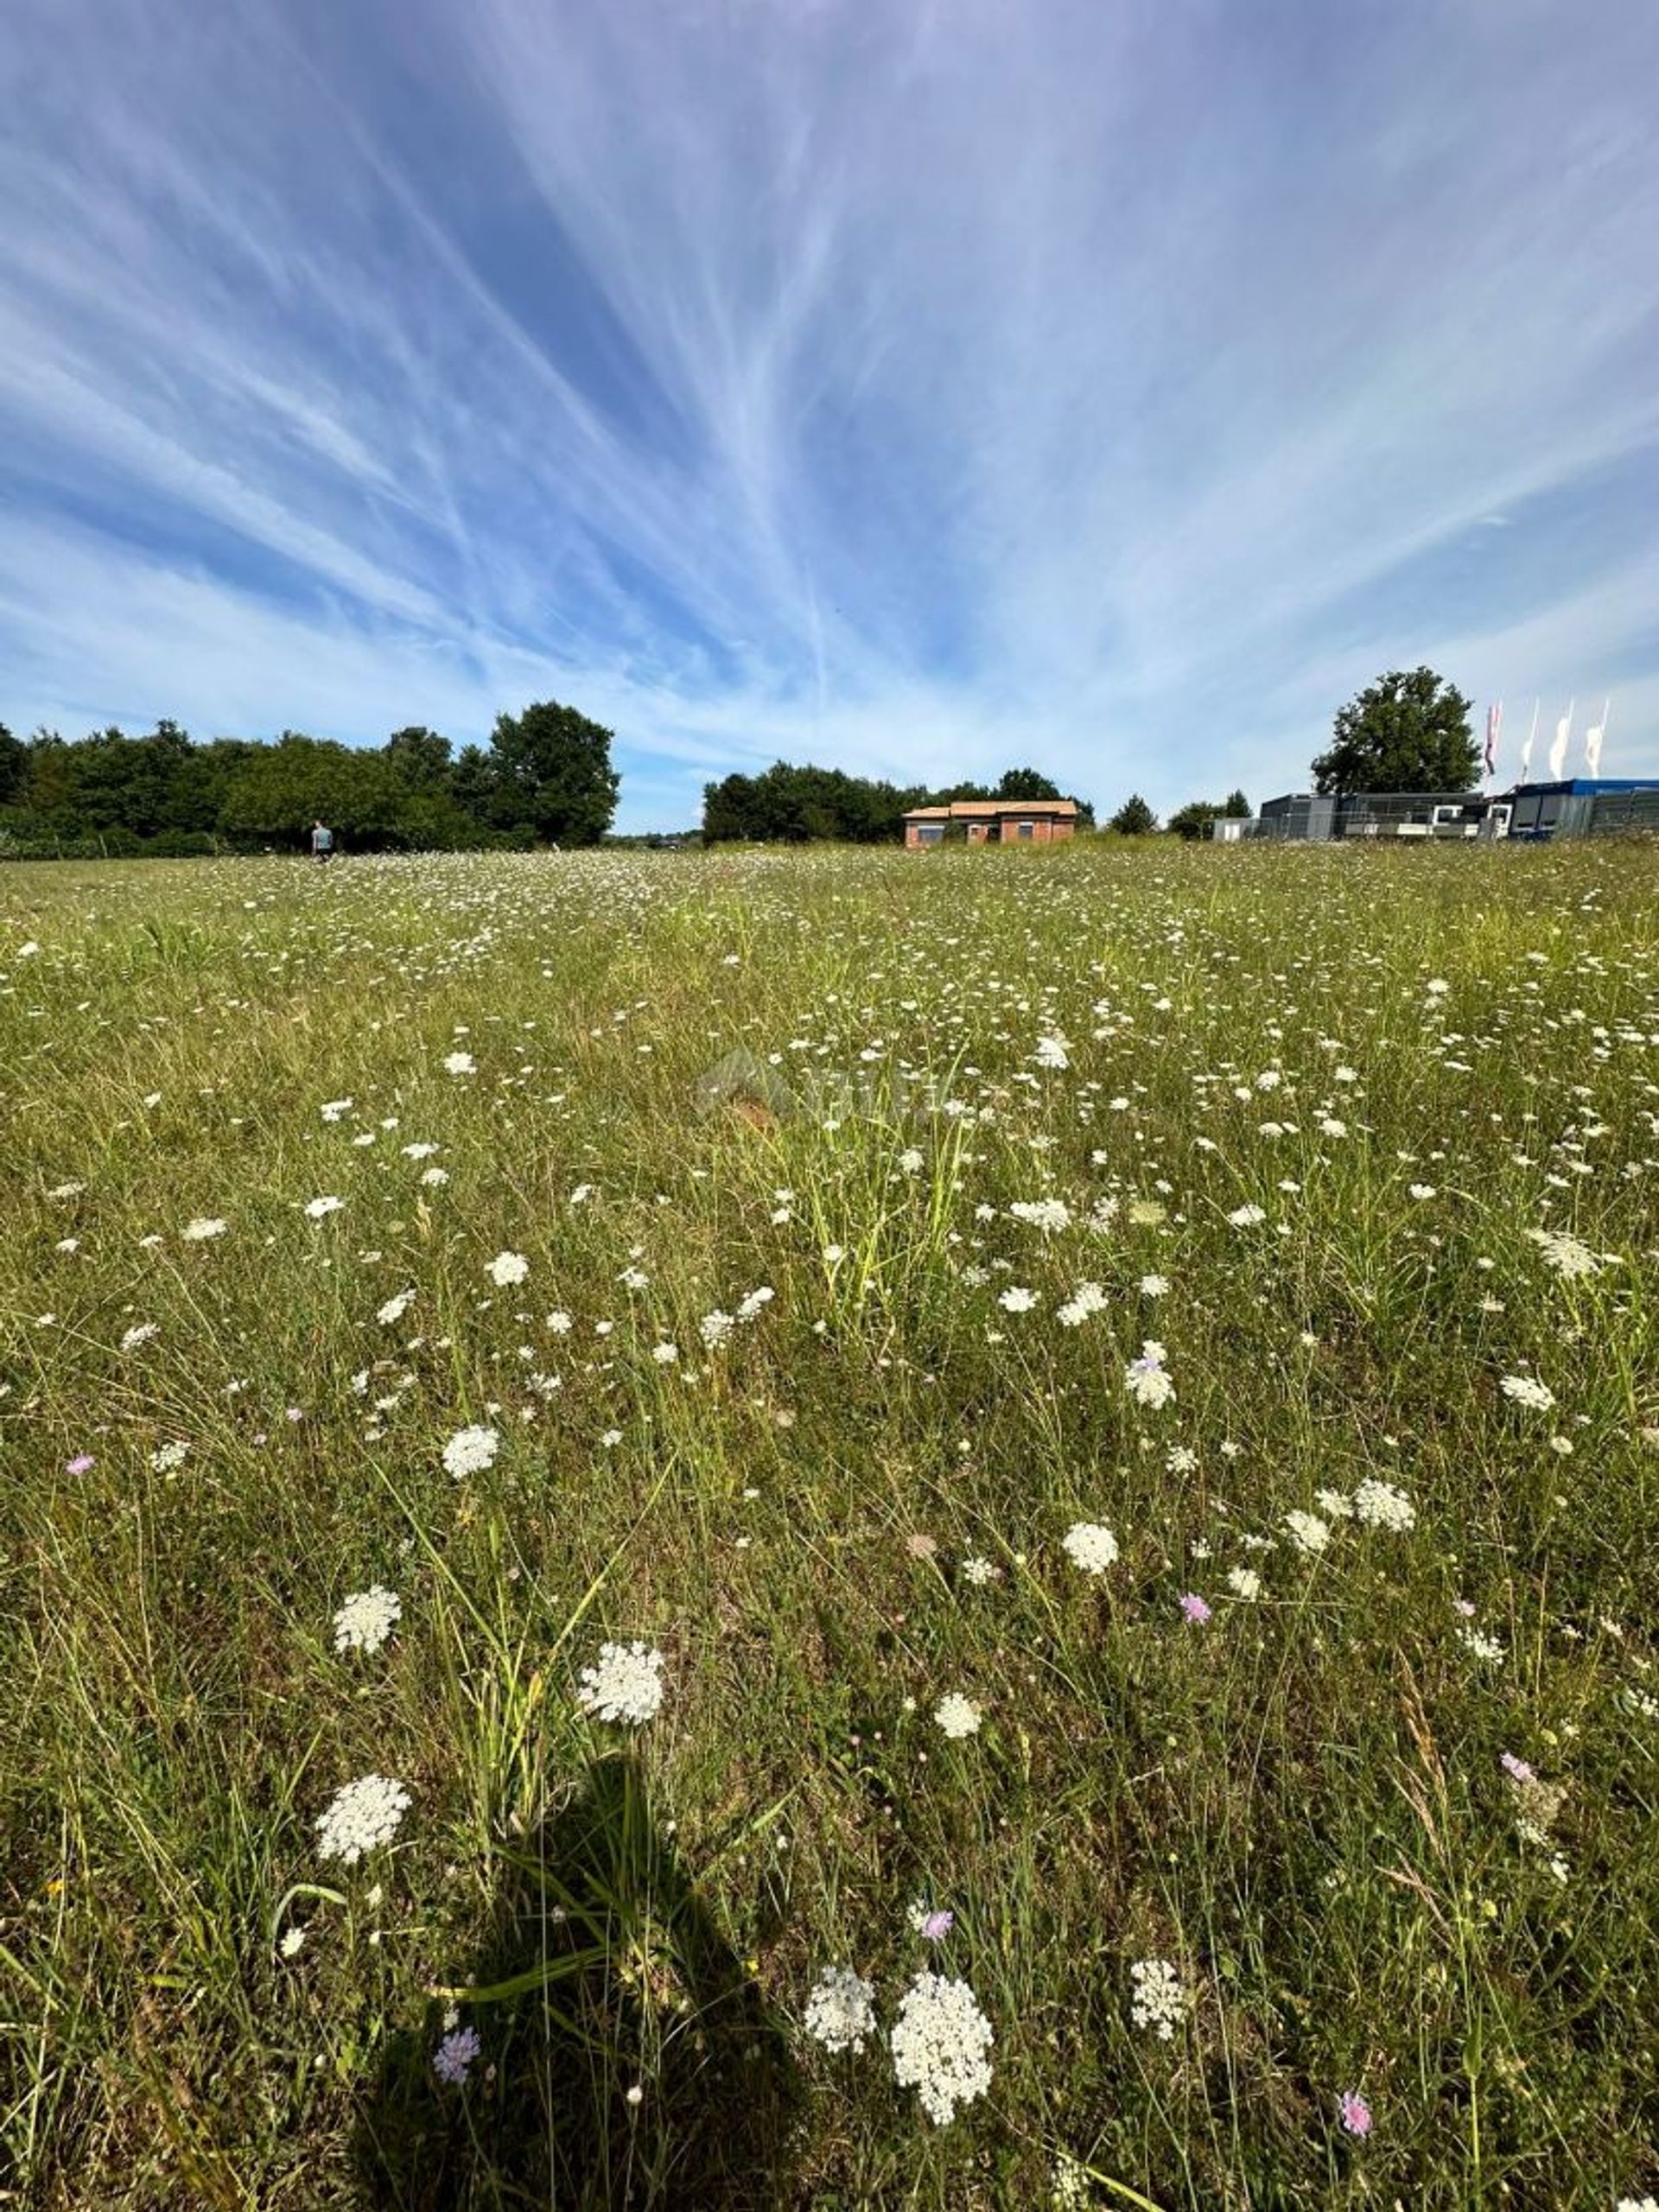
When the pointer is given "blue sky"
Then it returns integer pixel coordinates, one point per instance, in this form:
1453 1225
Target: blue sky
913 386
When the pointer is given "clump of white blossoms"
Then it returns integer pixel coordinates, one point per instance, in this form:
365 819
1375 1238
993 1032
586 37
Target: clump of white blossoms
1052 1052
507 1268
363 1816
1088 1298
1049 1215
1247 1216
459 1064
1244 1582
1566 1254
139 1335
957 1716
1145 1379
367 1619
1307 1532
1016 1299
469 1451
394 1308
1526 1390
336 1109
202 1230
1157 2000
317 1208
941 2045
166 1457
840 2012
1090 1546
626 1683
1380 1505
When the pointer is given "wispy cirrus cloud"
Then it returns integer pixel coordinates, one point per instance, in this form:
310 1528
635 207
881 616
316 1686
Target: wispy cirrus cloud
909 387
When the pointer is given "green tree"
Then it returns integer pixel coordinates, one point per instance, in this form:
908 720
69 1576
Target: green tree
1408 732
419 757
1134 818
1192 821
13 768
554 773
1026 782
1235 807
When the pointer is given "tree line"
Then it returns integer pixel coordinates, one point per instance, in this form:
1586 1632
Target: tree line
790 806
545 776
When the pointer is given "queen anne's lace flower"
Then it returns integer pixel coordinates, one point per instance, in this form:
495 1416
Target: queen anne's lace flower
957 1716
840 2012
1049 1215
507 1268
1145 1378
1380 1505
363 1816
625 1684
469 1451
1526 1390
1089 1547
202 1230
367 1619
1307 1532
1157 2000
941 2045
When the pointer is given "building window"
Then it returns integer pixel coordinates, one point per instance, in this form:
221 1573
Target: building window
928 833
1025 830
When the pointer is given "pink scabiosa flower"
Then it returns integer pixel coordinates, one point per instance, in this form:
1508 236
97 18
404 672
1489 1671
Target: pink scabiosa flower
1517 1770
82 1464
1355 2112
1194 1608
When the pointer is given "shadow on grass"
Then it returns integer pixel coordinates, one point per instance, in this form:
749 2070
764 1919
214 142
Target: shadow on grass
606 1974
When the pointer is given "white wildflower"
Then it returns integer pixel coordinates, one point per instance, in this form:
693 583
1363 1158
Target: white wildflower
1087 1299
363 1816
941 2045
957 1716
336 1109
469 1451
1157 2000
1244 1582
840 2012
317 1208
166 1457
1382 1505
203 1228
394 1308
1526 1390
139 1335
459 1064
1089 1547
1016 1299
367 1619
625 1684
1247 1216
1052 1052
1307 1532
507 1268
1049 1215
1145 1378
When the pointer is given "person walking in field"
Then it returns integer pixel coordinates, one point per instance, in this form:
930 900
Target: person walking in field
323 842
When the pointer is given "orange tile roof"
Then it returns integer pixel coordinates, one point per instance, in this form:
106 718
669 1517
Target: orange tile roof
1062 807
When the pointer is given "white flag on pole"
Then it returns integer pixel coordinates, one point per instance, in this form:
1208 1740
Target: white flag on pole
1592 738
1563 738
1526 750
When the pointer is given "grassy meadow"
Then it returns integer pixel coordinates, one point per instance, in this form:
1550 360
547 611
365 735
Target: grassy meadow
1115 1389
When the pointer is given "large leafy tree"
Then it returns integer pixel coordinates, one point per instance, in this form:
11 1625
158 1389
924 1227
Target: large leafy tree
419 757
554 773
1134 818
13 768
1407 732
